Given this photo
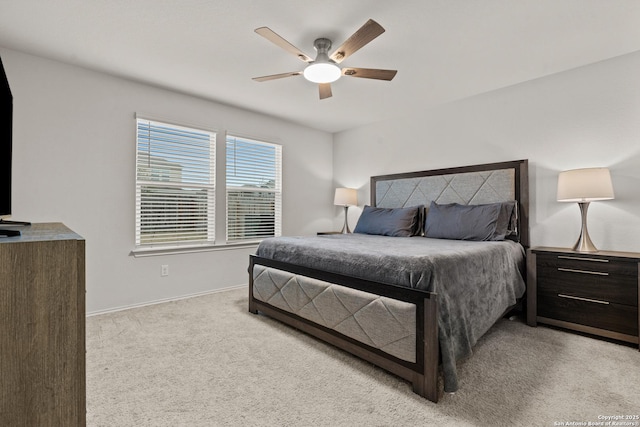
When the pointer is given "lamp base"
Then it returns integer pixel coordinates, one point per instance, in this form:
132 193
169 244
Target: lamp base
584 243
345 227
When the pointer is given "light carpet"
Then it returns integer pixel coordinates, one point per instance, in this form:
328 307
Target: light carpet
206 361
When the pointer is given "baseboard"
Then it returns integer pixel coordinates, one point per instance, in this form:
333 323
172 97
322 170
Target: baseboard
160 301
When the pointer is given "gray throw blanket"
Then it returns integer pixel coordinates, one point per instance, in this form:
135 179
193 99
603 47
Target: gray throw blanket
475 281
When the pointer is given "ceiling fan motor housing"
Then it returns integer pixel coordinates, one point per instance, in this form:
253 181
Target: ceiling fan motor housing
322 46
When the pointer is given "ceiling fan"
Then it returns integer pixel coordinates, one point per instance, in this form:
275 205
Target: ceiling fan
324 69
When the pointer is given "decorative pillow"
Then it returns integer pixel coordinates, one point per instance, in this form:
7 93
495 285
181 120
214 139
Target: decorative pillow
469 222
397 222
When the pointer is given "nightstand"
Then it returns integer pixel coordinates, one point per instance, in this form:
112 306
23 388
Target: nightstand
595 293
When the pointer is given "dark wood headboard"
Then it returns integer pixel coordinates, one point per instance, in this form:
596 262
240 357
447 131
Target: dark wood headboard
476 184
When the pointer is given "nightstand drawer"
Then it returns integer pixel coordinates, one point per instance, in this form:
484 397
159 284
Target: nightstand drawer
589 263
613 281
612 317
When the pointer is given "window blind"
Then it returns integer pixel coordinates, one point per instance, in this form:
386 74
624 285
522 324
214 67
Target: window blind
175 185
254 189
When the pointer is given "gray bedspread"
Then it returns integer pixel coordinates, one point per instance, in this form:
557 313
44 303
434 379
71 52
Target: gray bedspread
475 281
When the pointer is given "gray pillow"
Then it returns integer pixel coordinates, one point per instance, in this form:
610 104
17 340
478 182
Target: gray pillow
397 222
507 224
468 222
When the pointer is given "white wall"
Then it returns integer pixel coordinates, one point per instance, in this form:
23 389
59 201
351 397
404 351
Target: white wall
586 117
74 162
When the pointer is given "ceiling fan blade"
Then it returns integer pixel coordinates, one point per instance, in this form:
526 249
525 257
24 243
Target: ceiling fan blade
268 34
369 31
369 73
276 76
325 90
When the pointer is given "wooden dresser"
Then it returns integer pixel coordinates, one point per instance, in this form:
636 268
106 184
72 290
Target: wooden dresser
42 328
595 293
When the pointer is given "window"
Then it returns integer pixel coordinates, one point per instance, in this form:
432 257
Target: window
254 189
175 185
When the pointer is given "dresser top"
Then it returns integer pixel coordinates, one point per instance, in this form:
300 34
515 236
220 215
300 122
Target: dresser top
40 232
603 254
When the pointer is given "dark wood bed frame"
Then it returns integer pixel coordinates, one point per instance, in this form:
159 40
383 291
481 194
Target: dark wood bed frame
423 374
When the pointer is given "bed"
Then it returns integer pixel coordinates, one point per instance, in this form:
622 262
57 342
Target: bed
412 290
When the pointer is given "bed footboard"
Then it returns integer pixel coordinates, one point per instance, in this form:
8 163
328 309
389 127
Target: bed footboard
392 327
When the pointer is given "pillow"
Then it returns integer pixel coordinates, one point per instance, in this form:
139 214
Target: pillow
397 222
508 220
469 222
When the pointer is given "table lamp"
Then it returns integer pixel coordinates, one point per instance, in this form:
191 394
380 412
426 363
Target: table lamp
584 186
345 197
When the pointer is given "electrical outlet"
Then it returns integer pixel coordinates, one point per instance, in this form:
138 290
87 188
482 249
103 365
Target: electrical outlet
164 270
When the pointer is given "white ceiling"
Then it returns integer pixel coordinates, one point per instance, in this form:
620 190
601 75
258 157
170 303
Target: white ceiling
443 49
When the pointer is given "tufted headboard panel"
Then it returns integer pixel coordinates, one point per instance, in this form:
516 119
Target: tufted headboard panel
469 185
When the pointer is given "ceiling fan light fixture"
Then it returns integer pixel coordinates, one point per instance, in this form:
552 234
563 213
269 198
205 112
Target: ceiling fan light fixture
325 69
322 72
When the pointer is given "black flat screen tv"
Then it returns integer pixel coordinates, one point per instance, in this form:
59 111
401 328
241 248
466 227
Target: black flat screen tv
6 152
6 132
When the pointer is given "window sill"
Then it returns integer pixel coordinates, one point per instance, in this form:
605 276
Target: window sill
173 250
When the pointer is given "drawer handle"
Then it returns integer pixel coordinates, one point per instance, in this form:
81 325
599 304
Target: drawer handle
583 299
582 259
571 270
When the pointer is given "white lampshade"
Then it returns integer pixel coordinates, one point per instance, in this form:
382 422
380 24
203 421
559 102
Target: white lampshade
585 185
346 197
